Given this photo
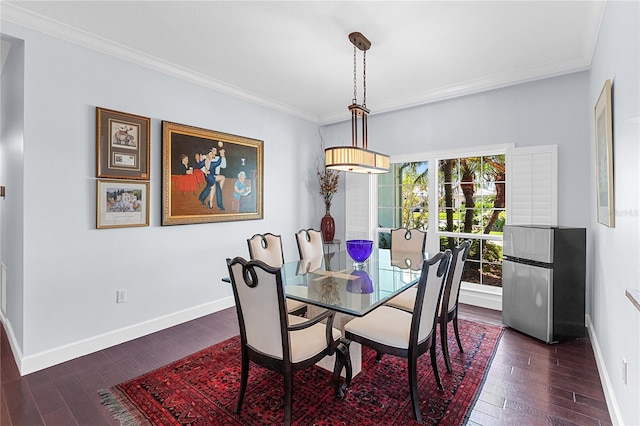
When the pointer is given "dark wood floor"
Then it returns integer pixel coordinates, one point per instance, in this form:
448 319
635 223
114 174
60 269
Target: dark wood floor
529 383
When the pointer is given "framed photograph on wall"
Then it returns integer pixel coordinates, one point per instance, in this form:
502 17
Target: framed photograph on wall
604 157
122 145
209 176
122 204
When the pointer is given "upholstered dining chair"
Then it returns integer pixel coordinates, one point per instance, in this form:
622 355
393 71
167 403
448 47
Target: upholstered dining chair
448 310
393 331
272 338
407 252
450 296
309 243
408 240
268 248
407 260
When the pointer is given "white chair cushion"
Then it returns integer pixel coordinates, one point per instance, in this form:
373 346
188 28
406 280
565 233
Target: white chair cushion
386 325
310 341
405 300
294 305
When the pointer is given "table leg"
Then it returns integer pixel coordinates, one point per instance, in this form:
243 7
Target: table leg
355 349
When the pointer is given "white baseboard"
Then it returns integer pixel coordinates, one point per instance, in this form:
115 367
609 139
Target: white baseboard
64 353
11 336
473 294
609 395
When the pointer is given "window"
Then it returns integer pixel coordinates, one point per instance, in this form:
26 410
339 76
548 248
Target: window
530 184
471 205
402 199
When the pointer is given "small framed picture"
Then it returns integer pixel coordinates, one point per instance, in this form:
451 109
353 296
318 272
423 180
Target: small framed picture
122 204
122 145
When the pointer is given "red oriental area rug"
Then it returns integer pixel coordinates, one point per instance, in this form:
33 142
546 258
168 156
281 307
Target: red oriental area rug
202 388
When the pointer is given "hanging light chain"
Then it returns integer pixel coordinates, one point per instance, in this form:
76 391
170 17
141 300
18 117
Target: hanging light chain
364 78
355 86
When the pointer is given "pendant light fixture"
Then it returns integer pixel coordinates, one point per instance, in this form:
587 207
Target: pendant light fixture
354 158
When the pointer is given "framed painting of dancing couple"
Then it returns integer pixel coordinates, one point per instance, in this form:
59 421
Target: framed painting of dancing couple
209 176
123 145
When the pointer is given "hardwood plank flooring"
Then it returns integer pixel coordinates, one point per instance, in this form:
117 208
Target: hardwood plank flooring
529 382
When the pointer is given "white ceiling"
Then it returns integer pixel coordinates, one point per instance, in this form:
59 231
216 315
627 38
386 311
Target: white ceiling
295 55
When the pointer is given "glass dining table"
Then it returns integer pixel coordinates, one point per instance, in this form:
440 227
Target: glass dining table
333 281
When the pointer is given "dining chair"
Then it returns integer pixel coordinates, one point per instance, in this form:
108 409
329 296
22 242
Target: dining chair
272 338
408 240
407 252
268 248
407 259
448 310
449 305
309 243
393 331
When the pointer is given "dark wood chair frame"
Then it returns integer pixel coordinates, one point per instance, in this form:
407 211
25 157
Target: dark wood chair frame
415 348
283 366
447 315
302 311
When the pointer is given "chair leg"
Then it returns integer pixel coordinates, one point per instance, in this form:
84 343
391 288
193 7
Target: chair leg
413 387
244 373
342 360
455 328
288 397
378 356
337 369
434 364
444 344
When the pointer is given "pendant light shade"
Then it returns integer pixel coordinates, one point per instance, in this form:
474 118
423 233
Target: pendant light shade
357 158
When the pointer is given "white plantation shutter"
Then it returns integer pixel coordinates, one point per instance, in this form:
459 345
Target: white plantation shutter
532 185
360 213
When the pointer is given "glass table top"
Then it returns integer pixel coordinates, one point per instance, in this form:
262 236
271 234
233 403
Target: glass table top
333 282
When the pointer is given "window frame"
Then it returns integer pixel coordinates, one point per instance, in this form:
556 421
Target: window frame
434 157
471 293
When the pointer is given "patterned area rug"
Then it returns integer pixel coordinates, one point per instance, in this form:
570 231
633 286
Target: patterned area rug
202 388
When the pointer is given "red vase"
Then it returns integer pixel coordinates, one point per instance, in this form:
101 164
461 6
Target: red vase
327 226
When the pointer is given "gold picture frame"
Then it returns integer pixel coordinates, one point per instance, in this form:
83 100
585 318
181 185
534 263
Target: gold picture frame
122 204
122 145
604 157
210 176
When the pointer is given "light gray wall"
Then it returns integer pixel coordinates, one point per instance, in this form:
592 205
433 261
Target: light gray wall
558 111
12 177
615 252
72 270
68 284
549 111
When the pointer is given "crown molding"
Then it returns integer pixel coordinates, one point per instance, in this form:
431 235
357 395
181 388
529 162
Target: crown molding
33 21
492 82
28 19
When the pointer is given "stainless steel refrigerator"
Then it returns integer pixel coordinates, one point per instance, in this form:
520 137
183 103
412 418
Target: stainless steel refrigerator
543 281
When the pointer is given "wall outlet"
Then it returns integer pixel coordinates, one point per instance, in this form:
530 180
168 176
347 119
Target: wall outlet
624 370
121 296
